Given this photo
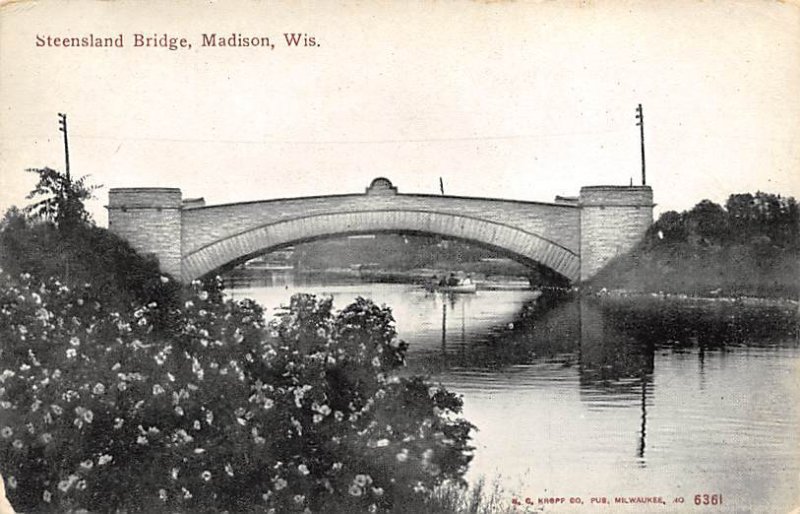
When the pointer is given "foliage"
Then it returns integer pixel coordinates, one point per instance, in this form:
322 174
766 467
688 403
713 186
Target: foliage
750 247
221 411
63 198
119 276
747 219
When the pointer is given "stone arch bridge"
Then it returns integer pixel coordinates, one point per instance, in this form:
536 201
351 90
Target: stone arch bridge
573 236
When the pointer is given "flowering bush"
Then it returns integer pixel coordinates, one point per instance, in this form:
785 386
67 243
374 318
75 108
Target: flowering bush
220 410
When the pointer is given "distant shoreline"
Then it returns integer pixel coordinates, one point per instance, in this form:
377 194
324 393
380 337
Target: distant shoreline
622 295
417 276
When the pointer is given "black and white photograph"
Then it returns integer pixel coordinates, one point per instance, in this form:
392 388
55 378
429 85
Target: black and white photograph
399 257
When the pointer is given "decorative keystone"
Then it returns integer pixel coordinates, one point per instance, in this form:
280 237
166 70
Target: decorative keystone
381 186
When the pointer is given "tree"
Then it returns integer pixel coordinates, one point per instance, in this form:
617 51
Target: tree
708 220
63 202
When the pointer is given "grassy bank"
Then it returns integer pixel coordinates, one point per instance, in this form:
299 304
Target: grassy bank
730 272
751 247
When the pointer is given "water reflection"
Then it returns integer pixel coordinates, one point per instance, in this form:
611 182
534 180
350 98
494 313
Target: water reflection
605 396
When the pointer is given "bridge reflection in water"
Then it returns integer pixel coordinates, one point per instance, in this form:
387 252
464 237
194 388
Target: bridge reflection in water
614 367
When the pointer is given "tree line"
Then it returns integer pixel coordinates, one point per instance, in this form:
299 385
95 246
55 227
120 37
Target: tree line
761 219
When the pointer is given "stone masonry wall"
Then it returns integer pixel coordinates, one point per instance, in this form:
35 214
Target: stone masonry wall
613 221
203 226
150 220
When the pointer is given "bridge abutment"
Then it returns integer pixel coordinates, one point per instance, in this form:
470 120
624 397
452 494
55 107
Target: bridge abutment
613 221
150 220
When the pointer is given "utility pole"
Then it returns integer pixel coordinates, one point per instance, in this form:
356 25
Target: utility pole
640 123
62 126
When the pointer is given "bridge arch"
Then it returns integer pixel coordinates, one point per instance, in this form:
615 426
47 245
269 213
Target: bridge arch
523 245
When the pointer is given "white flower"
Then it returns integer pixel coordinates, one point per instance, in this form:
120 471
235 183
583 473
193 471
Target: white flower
164 279
74 341
6 432
141 440
362 480
104 459
302 468
280 483
157 390
99 389
162 495
87 464
354 490
206 475
229 469
402 456
174 473
381 443
186 493
47 496
118 422
299 499
71 353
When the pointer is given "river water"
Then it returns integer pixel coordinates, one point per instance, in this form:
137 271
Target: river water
603 399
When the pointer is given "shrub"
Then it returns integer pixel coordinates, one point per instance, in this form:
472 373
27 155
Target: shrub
119 276
221 411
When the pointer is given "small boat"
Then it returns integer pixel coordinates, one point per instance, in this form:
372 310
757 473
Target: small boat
467 288
460 288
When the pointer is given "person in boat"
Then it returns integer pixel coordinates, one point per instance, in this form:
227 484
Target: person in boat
452 280
467 281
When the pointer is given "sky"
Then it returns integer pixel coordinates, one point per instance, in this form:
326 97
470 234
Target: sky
519 100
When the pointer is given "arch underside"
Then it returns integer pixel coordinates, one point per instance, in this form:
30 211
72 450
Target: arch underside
523 246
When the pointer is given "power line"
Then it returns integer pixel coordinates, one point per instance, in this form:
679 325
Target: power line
351 141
